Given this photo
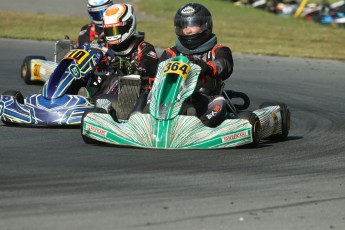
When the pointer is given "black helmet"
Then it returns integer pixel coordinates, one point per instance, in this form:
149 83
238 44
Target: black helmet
193 14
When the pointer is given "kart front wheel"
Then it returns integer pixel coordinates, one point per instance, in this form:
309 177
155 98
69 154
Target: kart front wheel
285 114
87 139
25 72
16 94
256 127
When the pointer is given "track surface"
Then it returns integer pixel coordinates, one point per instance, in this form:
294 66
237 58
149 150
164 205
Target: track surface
50 179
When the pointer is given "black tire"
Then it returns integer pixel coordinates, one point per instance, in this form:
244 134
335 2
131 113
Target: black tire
256 126
25 71
16 94
286 116
87 139
19 97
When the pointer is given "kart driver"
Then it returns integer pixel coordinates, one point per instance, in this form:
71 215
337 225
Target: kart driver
94 30
131 54
193 27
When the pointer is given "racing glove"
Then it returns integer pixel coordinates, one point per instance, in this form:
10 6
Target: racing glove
206 70
98 41
120 63
203 65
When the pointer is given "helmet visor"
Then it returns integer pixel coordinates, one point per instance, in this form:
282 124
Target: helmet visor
111 31
184 22
96 16
117 29
114 33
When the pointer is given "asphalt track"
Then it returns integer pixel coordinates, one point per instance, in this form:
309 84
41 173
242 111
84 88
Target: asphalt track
50 179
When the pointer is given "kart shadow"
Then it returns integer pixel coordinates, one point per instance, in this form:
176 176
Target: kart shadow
289 138
269 143
41 126
152 150
263 144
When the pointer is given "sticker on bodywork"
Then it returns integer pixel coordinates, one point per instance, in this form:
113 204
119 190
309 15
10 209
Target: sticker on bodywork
36 70
235 136
177 67
77 55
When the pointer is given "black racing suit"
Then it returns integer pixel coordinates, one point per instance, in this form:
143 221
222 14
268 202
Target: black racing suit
206 99
88 33
142 57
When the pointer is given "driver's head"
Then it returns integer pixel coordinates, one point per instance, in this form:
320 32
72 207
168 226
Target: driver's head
193 25
96 8
119 24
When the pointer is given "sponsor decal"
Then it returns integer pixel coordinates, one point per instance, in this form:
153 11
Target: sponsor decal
99 131
116 12
210 115
276 122
112 11
217 108
74 71
214 112
152 54
235 136
266 125
112 40
188 10
37 71
178 98
82 32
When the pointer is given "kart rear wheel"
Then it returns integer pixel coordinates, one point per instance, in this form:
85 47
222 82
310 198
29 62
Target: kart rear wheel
25 72
87 139
285 114
256 126
19 98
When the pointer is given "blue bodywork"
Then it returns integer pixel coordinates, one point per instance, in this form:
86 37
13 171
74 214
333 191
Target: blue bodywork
54 106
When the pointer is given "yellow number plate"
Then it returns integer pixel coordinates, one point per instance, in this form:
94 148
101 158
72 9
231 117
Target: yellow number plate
176 67
77 55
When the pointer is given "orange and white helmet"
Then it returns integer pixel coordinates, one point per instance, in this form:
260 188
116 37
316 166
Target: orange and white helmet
119 23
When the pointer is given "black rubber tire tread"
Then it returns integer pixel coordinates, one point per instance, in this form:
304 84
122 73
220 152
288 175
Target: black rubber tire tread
25 71
86 139
19 97
16 94
255 122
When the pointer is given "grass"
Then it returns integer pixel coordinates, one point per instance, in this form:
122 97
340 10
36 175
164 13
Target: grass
39 26
245 30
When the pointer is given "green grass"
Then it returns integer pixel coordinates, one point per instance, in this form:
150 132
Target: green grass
39 26
245 30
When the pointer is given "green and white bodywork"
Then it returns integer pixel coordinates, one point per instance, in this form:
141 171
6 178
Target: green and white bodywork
163 127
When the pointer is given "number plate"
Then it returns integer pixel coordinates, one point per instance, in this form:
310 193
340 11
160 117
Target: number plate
176 67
